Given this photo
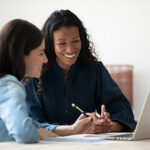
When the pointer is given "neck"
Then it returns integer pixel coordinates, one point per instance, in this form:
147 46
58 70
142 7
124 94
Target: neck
65 69
65 73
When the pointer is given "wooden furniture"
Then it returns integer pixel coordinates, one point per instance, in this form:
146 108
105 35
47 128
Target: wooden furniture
123 76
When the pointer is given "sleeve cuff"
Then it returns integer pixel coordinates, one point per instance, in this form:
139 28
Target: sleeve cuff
45 125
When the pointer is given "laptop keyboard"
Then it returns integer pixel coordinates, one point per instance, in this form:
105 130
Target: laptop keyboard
121 137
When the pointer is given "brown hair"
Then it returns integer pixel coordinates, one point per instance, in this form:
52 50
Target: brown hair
17 38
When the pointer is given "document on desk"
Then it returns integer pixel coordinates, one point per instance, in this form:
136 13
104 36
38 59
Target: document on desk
82 139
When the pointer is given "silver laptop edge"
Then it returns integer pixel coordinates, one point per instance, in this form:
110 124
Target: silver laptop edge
142 130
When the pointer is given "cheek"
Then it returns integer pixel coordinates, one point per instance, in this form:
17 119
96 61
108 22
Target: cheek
31 66
27 64
32 63
58 51
79 47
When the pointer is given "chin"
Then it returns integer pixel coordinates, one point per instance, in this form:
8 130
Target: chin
71 62
37 75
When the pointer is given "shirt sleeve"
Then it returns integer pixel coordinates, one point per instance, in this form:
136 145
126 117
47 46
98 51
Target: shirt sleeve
35 107
45 125
116 103
14 115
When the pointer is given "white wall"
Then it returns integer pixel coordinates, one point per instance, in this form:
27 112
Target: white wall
120 30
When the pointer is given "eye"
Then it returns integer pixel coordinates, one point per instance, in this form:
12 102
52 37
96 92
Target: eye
42 53
61 44
76 41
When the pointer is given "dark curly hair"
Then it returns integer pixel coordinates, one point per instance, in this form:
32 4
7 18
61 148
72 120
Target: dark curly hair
66 18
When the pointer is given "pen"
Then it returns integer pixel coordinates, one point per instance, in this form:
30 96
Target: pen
75 106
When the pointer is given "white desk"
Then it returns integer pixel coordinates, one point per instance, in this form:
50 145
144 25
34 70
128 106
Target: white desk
124 145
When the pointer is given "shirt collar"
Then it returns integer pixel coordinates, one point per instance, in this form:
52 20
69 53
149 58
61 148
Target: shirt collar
60 71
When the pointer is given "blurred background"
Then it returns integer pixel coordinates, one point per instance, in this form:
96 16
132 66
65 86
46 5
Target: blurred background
120 30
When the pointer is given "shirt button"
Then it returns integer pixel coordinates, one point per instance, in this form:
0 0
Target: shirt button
66 100
66 111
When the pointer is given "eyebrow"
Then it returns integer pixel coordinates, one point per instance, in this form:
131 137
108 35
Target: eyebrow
65 39
76 37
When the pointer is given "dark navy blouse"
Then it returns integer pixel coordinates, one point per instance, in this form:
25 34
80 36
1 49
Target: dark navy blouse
88 86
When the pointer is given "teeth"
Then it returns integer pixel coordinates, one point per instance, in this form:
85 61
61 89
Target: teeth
69 56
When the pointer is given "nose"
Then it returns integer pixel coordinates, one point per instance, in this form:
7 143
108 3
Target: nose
69 48
45 60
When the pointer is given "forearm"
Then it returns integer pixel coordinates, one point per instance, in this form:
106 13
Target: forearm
64 130
116 126
83 125
44 133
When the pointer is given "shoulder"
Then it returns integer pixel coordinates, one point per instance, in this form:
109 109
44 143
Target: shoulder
93 65
98 65
9 85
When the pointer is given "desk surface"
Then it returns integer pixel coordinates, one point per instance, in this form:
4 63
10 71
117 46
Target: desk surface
124 145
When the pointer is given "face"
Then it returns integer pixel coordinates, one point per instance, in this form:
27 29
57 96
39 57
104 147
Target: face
35 60
67 45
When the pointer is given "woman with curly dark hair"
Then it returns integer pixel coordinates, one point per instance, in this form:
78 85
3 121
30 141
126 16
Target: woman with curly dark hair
74 75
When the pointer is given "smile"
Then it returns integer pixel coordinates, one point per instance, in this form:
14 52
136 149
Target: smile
69 56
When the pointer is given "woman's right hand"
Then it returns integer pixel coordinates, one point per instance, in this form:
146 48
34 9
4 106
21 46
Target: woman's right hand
45 133
86 125
83 125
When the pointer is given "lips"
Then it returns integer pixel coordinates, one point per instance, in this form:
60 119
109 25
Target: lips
69 56
40 68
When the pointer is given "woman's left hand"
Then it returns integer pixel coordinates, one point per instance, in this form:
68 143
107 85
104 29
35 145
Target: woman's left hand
100 124
103 124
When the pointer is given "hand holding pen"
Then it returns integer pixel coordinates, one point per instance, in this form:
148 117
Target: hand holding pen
101 124
84 122
104 114
82 112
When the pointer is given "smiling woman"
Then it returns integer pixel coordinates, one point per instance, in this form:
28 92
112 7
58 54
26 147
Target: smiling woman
67 45
35 61
74 75
21 54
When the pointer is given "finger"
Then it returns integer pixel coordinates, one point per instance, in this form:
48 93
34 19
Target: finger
109 121
102 122
102 129
105 121
103 110
86 120
106 115
81 117
93 116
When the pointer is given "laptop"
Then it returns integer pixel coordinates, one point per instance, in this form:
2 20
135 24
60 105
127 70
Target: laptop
142 130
